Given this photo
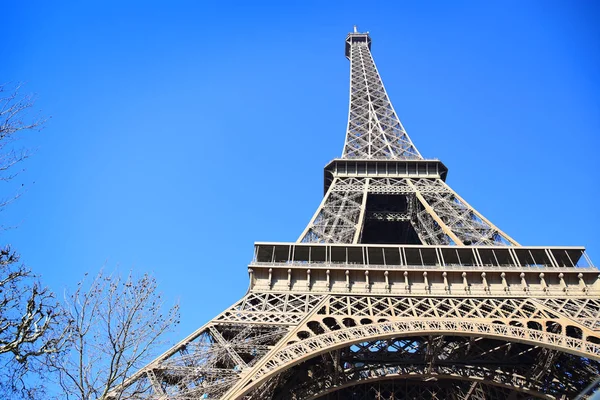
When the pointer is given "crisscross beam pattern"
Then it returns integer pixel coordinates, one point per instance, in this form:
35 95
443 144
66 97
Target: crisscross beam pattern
374 130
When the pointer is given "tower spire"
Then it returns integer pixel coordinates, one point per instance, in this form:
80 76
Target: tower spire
374 130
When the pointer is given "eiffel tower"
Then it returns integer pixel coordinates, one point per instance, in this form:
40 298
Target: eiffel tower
397 289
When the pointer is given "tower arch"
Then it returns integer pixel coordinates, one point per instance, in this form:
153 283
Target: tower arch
448 334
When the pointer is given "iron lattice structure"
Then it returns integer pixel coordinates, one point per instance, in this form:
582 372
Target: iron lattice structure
396 289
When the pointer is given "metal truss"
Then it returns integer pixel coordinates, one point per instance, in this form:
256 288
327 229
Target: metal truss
460 223
374 130
584 311
396 289
438 215
428 358
271 308
208 365
338 216
497 309
268 345
308 344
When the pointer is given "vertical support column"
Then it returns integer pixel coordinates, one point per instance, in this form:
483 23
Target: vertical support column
433 214
363 207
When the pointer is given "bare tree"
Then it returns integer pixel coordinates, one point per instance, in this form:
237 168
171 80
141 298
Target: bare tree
31 325
31 321
15 118
118 325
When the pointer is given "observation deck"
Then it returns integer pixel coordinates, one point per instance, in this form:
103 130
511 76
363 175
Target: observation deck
356 37
419 269
383 168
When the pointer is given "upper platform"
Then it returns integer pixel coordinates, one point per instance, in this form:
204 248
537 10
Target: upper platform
356 37
441 257
376 168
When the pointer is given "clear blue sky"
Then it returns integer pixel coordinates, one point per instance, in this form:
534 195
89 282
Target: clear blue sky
182 132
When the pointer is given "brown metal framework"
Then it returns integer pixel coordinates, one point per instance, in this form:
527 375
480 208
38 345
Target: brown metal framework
396 289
